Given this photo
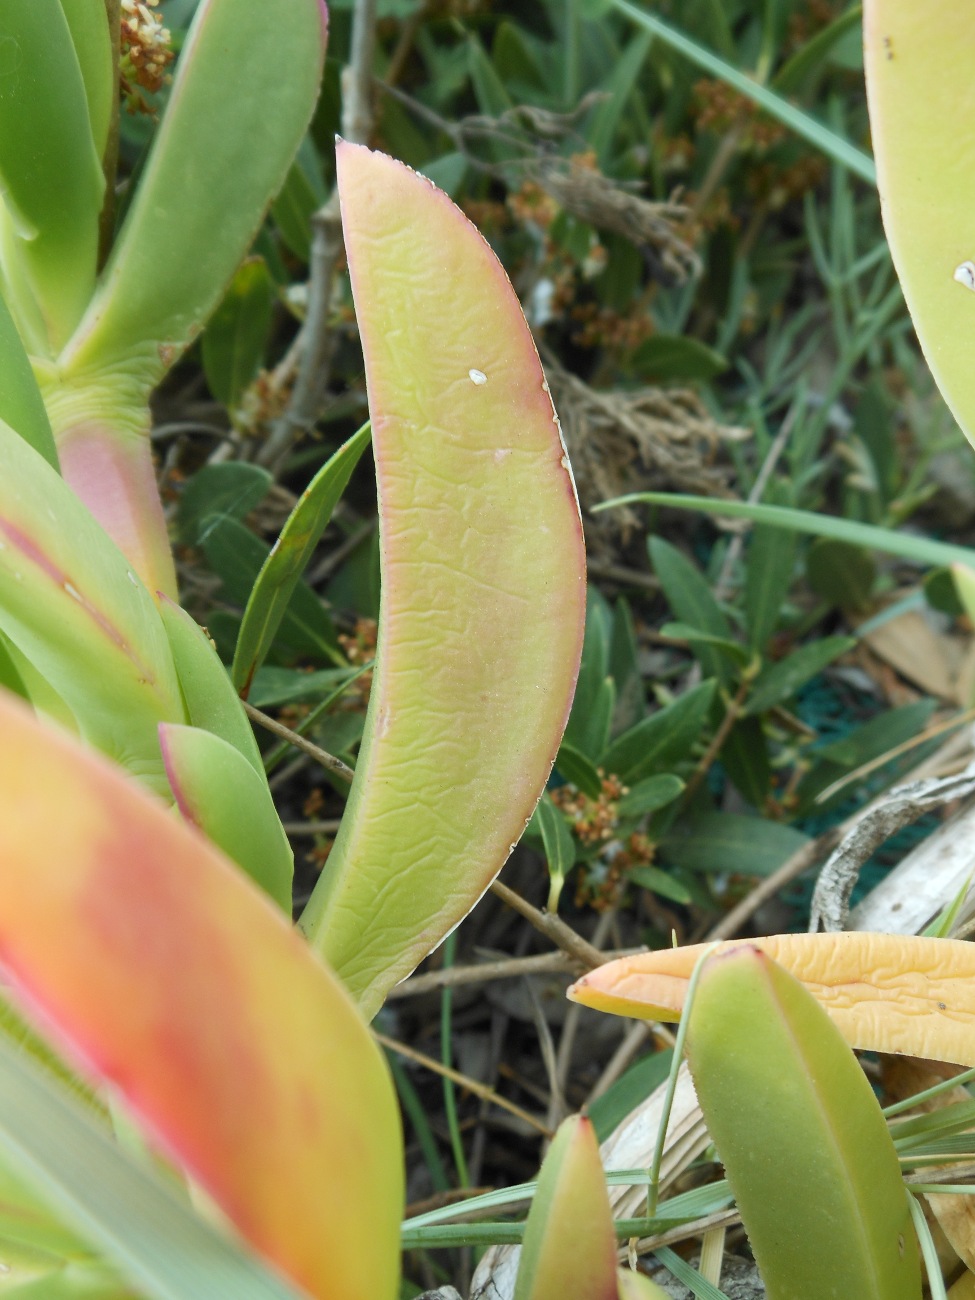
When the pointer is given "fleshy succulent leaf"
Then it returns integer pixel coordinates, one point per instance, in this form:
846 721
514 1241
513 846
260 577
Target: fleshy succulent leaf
78 614
120 1204
884 992
21 404
569 1247
217 160
483 596
50 172
90 34
801 1135
164 973
276 582
216 789
634 1286
211 701
918 62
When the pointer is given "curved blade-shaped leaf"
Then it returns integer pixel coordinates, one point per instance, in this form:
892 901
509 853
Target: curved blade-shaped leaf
168 975
276 582
801 1135
119 1205
483 597
50 172
88 23
918 61
21 404
569 1248
211 701
216 789
634 1286
72 606
216 162
884 992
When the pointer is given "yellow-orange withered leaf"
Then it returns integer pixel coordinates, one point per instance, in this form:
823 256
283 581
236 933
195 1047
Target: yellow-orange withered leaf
885 992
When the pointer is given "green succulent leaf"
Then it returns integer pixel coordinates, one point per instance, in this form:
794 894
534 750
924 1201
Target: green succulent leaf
218 158
820 1190
919 91
88 24
569 1248
216 789
21 404
211 701
480 627
80 617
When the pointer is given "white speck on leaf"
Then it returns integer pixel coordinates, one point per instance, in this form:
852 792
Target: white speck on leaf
477 377
965 274
73 592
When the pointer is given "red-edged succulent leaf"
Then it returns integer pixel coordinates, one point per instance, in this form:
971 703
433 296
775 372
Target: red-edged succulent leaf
76 612
569 1249
483 595
165 973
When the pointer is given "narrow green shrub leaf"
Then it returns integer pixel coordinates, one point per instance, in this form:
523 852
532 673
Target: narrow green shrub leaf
275 686
689 596
842 574
650 795
725 841
744 757
21 404
50 171
820 1193
569 1248
778 682
579 770
233 488
659 882
768 577
236 334
664 739
481 621
304 191
624 666
734 651
216 161
560 847
275 585
238 557
586 721
217 790
673 357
